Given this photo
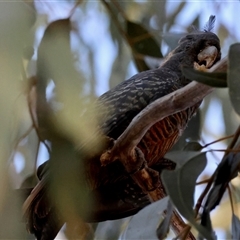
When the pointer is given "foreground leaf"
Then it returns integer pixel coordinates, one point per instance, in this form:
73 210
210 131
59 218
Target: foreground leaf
225 172
180 186
216 79
144 224
233 76
163 228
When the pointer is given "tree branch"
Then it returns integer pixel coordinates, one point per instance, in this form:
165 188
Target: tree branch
163 107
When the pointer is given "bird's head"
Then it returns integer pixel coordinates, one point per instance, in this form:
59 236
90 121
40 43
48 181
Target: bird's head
199 48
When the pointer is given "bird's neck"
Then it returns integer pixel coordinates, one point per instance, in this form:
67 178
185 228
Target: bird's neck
174 63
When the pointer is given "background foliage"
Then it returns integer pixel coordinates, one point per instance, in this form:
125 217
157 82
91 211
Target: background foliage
110 42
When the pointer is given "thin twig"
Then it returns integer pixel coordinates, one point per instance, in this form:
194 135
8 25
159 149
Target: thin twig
219 140
204 193
234 140
203 181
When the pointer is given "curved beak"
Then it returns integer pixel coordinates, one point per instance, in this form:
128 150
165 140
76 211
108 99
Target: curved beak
208 56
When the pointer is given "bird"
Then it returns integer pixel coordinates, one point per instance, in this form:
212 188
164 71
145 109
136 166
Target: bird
115 193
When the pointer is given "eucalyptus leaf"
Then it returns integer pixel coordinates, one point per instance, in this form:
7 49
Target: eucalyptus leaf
217 79
143 225
235 227
180 186
224 173
181 157
163 228
233 76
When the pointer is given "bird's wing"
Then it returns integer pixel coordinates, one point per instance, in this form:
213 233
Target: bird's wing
122 103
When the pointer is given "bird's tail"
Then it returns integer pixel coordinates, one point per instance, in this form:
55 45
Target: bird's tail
41 218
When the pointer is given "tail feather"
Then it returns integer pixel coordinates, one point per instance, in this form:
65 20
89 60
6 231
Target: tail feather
41 218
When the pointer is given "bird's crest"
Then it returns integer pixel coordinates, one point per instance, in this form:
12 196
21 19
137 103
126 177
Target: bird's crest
210 24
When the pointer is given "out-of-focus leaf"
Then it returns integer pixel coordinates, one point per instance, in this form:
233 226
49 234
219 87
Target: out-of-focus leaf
225 171
180 186
28 52
233 76
54 50
211 79
142 44
16 21
235 227
142 41
67 178
29 182
163 228
193 146
54 62
143 225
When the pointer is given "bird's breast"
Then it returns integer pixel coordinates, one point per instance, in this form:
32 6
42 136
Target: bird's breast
163 135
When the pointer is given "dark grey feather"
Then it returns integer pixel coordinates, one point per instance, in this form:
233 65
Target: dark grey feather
210 24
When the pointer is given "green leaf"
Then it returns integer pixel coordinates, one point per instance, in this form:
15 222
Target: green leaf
143 225
180 186
233 76
217 79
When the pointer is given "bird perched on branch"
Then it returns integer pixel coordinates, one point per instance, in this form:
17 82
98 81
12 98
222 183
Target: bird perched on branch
116 194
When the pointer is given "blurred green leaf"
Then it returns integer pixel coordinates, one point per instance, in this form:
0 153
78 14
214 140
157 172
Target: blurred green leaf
211 79
233 76
29 182
180 186
67 177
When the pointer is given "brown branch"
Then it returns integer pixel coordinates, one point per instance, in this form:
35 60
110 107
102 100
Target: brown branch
156 111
